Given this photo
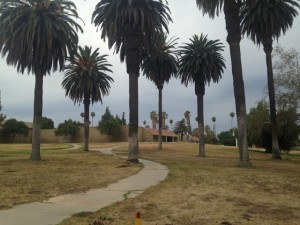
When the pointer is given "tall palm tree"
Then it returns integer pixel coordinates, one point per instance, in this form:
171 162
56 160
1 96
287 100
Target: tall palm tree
86 81
231 10
153 117
129 26
201 62
37 35
159 65
263 21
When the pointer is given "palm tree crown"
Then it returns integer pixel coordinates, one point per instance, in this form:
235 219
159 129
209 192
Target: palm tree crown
160 62
267 18
38 34
119 18
86 76
201 61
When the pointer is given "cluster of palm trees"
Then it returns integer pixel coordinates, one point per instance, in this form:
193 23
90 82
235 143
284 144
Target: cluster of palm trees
41 35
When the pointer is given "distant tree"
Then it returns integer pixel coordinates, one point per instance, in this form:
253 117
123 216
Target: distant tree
93 114
171 122
13 128
153 117
289 129
226 138
68 128
108 125
87 81
2 116
145 123
187 116
257 121
210 137
214 119
47 123
164 116
286 78
123 119
195 132
82 116
118 119
264 21
231 115
180 128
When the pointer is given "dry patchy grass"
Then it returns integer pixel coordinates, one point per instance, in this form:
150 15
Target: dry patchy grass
60 171
210 190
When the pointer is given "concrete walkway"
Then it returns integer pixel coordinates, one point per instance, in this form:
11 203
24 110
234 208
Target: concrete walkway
56 209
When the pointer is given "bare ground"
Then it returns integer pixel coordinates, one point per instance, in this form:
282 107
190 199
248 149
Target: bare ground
60 171
210 190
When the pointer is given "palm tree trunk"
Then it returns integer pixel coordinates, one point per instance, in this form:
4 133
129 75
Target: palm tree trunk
268 50
37 116
231 10
160 118
133 44
200 91
86 122
133 119
201 125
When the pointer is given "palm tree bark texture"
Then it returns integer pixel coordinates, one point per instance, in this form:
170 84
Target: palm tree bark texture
232 19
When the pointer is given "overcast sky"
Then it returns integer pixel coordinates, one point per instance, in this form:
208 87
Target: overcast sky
17 89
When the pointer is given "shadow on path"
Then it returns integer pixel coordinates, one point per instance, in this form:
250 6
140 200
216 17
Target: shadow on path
58 208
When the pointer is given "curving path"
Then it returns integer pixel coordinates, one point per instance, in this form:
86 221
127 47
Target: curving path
58 208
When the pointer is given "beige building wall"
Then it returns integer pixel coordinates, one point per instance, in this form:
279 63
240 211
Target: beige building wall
48 136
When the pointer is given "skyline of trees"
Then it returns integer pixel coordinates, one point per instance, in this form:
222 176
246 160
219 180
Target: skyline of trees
243 154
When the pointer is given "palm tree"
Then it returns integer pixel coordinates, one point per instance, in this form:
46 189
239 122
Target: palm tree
214 119
232 115
129 26
153 117
93 114
82 116
180 128
159 65
37 35
201 62
164 116
86 81
171 122
187 116
231 10
264 21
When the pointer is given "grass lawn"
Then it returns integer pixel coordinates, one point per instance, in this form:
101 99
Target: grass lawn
60 171
210 190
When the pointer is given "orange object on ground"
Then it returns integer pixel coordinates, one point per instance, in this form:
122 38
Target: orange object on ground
138 219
